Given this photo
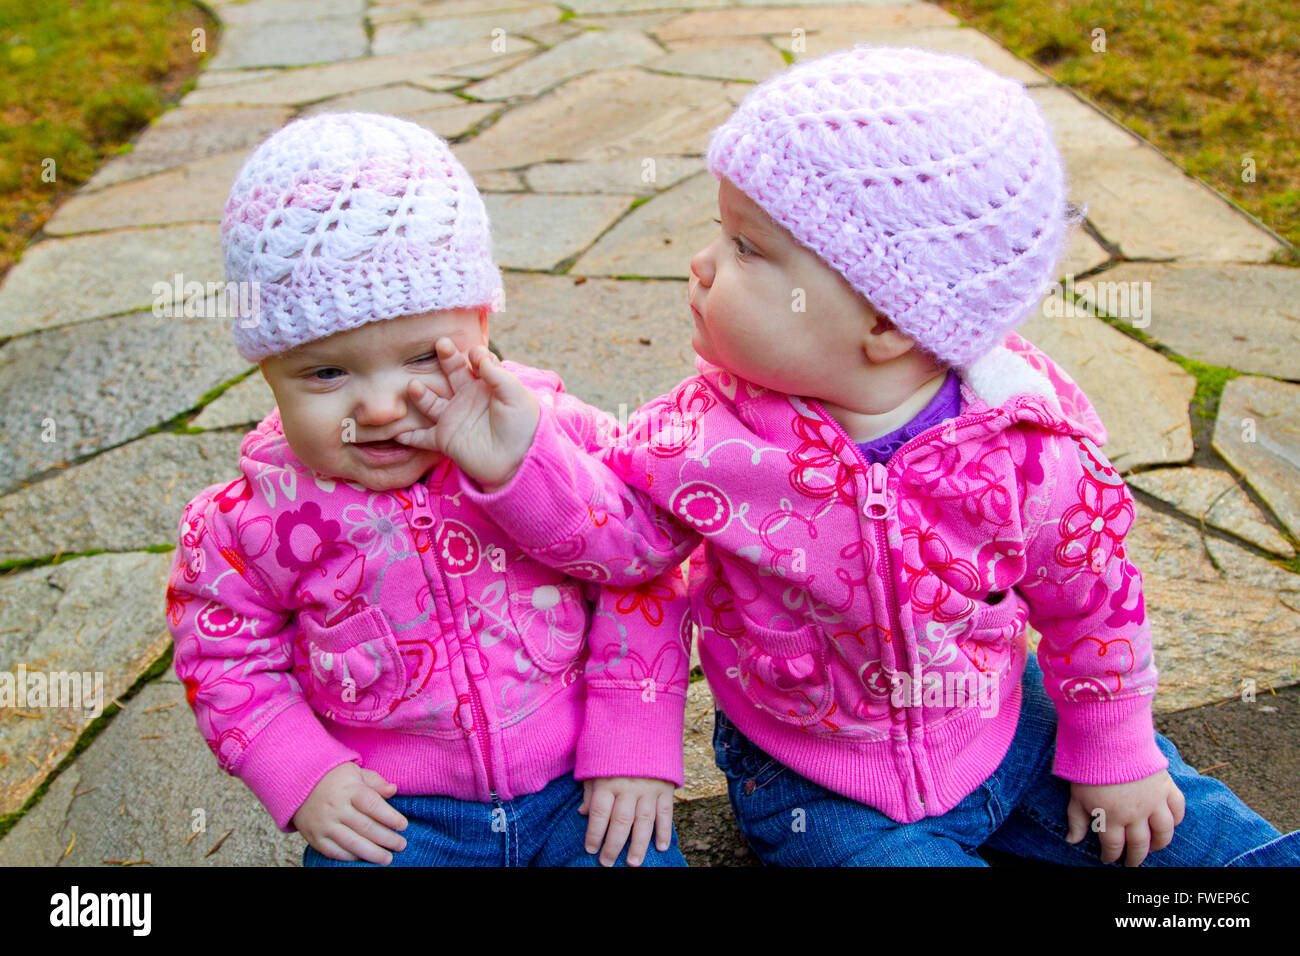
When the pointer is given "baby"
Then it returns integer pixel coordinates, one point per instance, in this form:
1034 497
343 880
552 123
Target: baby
889 485
364 647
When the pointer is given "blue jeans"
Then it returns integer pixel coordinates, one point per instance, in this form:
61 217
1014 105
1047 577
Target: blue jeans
1019 810
537 829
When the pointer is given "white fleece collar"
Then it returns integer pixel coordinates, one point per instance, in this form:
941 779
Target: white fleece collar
1001 373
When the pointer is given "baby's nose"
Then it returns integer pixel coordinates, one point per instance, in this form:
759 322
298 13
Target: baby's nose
702 266
381 408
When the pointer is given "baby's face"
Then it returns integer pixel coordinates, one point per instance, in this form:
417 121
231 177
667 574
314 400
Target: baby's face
769 310
343 398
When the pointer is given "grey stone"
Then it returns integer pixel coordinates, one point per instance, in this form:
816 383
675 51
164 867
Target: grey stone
750 60
841 20
184 135
624 6
519 49
464 33
1211 627
1138 199
99 800
398 100
659 237
230 77
1241 316
537 232
64 281
69 392
703 778
590 333
499 180
630 176
963 41
441 9
289 11
195 192
309 84
297 43
1256 431
1141 396
591 50
101 616
1217 498
123 500
245 403
449 123
603 116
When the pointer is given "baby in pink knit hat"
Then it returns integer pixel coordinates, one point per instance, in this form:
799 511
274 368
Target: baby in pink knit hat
887 486
367 650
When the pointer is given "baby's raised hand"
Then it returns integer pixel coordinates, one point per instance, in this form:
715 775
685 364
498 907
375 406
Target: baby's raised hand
487 425
1141 814
346 816
615 805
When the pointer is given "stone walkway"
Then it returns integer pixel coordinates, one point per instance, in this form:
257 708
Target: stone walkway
585 127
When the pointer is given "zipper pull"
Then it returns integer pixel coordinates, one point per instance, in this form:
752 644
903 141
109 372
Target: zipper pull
877 505
420 515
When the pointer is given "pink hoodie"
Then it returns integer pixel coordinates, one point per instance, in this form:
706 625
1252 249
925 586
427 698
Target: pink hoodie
317 622
867 625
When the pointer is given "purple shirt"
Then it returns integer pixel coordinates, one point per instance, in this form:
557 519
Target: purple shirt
946 404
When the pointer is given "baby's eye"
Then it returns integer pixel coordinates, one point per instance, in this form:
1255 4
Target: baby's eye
326 374
741 248
428 357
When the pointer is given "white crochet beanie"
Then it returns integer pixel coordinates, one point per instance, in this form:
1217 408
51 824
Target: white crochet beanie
348 218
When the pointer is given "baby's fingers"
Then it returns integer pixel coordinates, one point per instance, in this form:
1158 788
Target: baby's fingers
454 363
1138 837
664 823
642 829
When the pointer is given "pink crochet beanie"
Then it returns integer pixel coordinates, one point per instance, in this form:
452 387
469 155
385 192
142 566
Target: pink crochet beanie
348 218
929 182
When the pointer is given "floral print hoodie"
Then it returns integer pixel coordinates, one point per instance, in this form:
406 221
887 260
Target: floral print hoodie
867 625
317 622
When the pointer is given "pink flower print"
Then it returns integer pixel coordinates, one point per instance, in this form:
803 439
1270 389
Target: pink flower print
702 507
1089 657
648 598
301 535
1095 527
458 547
377 527
814 456
233 495
931 582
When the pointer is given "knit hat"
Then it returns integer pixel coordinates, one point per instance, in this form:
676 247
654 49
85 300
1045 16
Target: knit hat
931 183
348 218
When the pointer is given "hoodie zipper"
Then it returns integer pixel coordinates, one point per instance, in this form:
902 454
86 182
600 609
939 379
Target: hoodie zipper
877 509
421 518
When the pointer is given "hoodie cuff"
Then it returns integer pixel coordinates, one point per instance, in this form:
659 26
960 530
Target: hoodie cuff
287 759
543 504
1107 742
624 735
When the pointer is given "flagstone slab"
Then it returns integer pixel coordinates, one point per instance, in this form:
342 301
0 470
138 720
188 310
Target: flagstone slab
549 34
781 21
194 192
1082 255
464 33
499 180
123 500
612 342
520 49
1211 627
402 10
295 43
604 116
590 50
289 11
398 99
99 799
1245 317
99 615
245 403
182 136
633 175
1141 396
229 77
1217 498
963 41
64 281
309 84
532 231
1258 432
659 237
1138 199
455 121
69 392
597 7
748 60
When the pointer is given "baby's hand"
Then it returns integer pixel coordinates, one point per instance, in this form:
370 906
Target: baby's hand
487 425
620 802
1142 814
345 817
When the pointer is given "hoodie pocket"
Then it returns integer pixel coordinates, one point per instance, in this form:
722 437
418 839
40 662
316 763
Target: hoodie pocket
785 672
356 674
987 641
549 612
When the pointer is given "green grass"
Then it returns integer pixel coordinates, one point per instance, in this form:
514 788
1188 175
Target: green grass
78 79
1209 84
